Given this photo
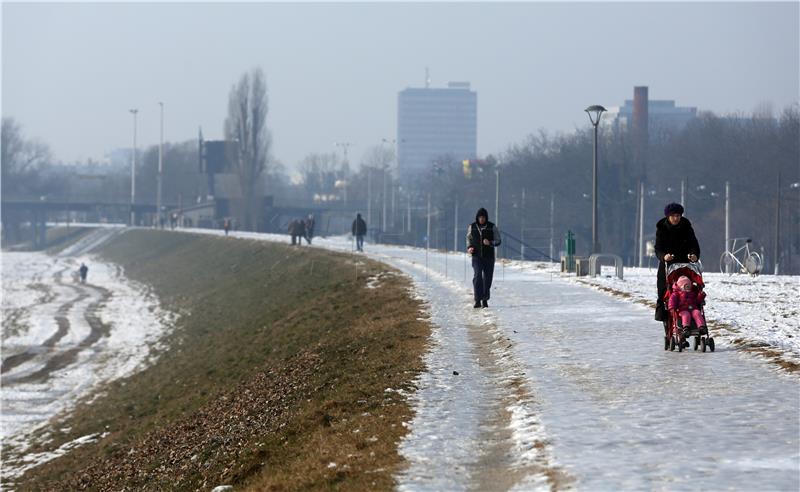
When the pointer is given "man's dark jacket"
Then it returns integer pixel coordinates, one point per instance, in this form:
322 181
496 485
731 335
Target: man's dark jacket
359 227
476 233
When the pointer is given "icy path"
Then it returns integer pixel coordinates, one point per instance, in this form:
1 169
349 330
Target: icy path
62 339
593 385
560 386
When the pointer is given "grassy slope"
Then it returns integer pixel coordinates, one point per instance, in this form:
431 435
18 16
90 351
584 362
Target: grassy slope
276 369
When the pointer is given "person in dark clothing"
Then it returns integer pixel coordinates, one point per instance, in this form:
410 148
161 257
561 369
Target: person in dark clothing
226 224
83 271
297 229
675 243
359 230
482 238
309 228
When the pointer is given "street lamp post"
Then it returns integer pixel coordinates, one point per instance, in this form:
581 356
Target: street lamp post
594 113
393 143
160 167
134 112
344 146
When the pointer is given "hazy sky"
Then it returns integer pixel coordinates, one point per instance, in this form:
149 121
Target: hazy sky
70 72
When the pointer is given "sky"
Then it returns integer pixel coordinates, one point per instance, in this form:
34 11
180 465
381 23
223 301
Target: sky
71 71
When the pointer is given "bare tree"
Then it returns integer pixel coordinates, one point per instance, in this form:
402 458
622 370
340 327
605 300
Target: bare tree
19 159
246 125
320 172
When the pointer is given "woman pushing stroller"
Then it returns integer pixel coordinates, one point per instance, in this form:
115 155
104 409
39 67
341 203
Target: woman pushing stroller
675 243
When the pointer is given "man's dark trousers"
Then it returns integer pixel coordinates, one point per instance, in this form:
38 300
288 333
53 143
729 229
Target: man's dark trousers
360 243
483 270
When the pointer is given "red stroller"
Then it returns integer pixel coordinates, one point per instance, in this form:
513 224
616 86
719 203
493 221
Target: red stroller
675 336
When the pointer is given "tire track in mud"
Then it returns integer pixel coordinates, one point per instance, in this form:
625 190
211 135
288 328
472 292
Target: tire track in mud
506 463
64 358
61 321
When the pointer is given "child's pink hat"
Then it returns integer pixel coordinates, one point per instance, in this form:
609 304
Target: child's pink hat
683 281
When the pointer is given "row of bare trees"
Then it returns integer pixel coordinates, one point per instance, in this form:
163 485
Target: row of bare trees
747 151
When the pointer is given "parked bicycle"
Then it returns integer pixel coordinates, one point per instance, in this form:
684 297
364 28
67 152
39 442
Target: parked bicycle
741 259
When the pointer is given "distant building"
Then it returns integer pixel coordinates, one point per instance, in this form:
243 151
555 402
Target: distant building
649 119
433 123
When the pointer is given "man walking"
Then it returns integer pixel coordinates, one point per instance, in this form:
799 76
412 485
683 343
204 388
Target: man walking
482 237
359 231
309 228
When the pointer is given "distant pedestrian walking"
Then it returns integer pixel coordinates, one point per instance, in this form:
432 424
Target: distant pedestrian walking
226 224
309 228
482 237
297 229
359 231
83 271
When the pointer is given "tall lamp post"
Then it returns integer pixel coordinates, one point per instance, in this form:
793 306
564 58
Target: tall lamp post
134 112
160 168
594 113
393 143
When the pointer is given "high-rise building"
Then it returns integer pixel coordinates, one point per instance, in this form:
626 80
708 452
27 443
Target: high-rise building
435 123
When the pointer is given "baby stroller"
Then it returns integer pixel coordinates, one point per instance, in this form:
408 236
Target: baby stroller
675 335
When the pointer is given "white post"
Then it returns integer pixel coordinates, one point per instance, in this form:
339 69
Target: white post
683 195
133 168
497 197
552 237
455 229
394 210
408 201
727 216
497 201
160 168
428 236
641 225
383 214
522 228
369 198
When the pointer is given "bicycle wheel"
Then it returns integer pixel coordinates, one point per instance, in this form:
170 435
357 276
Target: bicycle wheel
753 263
727 263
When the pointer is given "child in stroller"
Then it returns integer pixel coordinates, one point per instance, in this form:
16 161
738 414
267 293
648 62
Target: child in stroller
685 299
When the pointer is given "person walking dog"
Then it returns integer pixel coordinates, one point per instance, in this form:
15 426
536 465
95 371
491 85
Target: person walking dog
482 238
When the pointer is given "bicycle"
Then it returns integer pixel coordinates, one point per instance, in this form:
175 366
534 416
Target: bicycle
751 262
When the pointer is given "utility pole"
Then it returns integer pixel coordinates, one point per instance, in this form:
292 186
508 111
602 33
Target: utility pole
134 112
393 143
641 225
344 146
552 214
522 228
369 197
455 229
683 194
727 218
160 168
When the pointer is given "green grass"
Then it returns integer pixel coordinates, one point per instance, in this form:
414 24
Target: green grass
276 368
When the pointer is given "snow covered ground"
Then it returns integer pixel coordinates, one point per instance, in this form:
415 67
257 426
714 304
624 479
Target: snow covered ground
62 339
560 385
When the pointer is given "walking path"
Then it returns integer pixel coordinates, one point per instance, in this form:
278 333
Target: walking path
562 385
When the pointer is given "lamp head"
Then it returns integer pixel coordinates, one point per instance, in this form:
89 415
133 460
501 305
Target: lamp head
594 113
